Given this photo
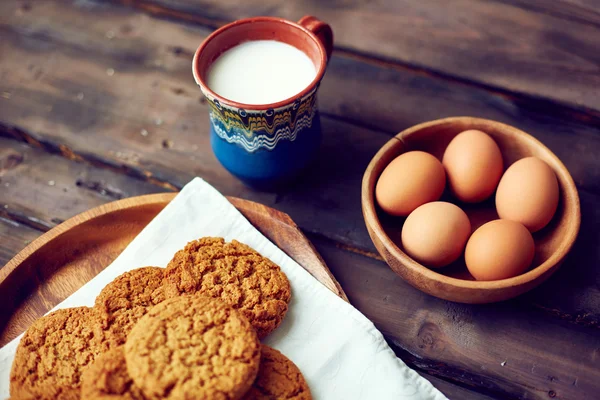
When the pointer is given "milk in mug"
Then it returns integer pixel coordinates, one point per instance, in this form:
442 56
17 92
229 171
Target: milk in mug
261 72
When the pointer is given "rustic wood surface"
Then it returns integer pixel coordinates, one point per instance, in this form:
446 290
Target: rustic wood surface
97 103
65 258
529 50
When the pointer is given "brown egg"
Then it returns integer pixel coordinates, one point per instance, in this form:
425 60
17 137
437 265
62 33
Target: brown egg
435 233
528 193
410 180
499 249
473 165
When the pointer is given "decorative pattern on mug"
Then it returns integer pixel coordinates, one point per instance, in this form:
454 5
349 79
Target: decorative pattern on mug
262 129
252 144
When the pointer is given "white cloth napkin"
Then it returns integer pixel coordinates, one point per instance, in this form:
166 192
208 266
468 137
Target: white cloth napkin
339 351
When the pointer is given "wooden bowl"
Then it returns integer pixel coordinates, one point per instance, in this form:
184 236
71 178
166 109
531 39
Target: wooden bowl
454 282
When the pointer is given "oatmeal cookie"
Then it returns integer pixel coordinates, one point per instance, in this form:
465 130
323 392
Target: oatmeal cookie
234 273
193 347
127 298
107 379
278 378
54 352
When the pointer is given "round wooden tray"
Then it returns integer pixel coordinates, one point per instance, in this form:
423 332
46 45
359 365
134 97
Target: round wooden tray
62 260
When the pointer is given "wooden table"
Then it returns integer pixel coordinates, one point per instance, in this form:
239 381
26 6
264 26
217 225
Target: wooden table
97 103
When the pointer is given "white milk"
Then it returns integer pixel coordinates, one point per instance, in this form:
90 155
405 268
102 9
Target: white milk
261 72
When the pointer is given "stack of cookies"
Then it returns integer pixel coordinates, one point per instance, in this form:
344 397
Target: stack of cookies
190 331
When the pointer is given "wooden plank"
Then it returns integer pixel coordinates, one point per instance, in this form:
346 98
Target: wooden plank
106 126
495 44
573 293
391 100
59 69
41 190
583 11
13 237
460 343
153 56
507 348
453 391
112 121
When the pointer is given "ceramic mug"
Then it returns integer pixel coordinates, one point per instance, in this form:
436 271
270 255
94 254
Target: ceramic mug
266 144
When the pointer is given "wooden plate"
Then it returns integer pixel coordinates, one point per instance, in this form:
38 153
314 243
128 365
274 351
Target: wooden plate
59 262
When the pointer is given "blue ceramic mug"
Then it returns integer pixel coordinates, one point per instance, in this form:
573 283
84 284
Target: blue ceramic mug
266 144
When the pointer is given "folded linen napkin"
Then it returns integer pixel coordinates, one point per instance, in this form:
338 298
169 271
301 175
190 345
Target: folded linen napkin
340 352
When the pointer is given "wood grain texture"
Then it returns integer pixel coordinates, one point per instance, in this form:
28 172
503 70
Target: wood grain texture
41 190
104 128
466 338
390 100
581 11
66 257
13 237
30 200
54 183
56 90
175 149
491 43
172 152
505 349
453 391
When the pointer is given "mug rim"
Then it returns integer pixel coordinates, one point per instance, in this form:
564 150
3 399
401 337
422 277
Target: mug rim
232 103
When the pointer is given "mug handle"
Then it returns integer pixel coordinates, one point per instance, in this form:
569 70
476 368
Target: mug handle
321 30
